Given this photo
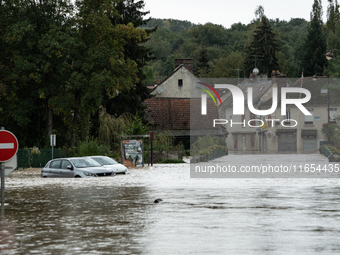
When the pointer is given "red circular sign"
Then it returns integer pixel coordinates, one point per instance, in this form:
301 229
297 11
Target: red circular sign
8 145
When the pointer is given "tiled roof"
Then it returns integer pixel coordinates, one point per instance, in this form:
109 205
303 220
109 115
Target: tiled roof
179 114
176 69
314 88
259 89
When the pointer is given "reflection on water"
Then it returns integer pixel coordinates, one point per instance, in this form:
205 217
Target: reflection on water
197 216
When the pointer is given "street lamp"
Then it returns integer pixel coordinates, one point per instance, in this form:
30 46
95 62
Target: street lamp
326 91
330 55
315 76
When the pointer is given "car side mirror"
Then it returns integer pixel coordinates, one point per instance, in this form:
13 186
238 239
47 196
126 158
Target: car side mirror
69 167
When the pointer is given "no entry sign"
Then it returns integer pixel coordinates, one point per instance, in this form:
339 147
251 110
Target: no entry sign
8 145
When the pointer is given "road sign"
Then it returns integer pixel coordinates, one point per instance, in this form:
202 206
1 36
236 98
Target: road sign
8 145
11 165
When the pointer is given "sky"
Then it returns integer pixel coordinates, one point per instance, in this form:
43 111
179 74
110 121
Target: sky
228 12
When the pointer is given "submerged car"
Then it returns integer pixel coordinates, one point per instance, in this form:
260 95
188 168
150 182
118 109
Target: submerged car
75 167
111 164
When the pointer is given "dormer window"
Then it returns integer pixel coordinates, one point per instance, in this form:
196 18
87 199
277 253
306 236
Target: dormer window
180 83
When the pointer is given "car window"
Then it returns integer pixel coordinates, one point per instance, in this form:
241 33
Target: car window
85 162
65 164
55 164
105 160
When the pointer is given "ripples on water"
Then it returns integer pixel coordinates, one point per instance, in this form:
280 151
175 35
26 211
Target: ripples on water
197 216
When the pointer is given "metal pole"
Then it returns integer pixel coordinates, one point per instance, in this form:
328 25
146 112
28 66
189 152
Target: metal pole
142 152
329 139
151 151
2 183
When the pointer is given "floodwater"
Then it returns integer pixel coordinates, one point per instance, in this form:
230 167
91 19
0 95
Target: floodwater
197 216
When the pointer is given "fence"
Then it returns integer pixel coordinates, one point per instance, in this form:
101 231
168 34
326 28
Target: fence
33 158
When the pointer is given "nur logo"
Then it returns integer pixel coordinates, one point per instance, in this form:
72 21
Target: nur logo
204 97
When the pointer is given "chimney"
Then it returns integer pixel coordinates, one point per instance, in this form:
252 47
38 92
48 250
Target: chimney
187 62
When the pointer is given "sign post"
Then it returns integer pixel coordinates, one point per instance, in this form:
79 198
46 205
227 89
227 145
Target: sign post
2 184
8 149
53 141
152 136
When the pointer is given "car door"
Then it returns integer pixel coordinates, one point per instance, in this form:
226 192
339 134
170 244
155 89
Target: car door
55 168
66 172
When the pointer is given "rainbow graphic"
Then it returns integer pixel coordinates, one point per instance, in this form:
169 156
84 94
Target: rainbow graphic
209 93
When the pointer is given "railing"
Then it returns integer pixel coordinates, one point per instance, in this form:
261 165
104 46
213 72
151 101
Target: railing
30 158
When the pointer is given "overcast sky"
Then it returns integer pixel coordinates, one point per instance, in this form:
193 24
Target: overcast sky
228 12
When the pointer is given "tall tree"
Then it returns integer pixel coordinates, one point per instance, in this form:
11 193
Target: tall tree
37 36
314 60
99 64
203 67
333 15
131 12
264 47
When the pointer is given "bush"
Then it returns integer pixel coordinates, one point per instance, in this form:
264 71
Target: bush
331 149
208 151
91 148
206 144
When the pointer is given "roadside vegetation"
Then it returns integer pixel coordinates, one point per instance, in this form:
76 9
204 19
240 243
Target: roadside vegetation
80 69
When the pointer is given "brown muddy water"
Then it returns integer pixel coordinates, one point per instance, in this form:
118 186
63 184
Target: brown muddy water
197 216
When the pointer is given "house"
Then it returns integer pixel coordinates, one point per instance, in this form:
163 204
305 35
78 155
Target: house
245 134
175 104
295 131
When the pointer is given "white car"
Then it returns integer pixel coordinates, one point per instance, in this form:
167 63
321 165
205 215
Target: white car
111 164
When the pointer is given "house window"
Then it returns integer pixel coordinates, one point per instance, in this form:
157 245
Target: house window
309 118
180 83
332 115
252 116
287 122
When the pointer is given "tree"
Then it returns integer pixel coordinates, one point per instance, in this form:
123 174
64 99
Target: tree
130 12
99 64
314 49
264 46
333 15
37 37
228 67
203 67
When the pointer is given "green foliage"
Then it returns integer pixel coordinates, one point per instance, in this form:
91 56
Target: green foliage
91 148
330 148
205 145
220 42
264 47
228 67
314 48
136 127
329 130
61 60
208 152
203 67
165 141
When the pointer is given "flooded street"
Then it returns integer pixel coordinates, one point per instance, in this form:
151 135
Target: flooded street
197 216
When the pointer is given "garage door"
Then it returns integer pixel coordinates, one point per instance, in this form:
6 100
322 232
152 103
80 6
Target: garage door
287 141
309 144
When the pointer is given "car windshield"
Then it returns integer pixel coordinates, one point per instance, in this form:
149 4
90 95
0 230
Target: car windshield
84 162
105 160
